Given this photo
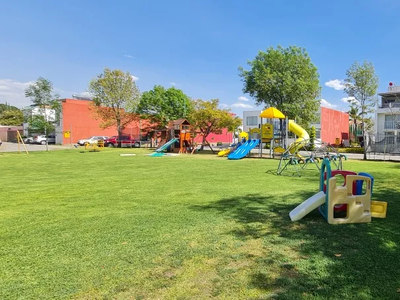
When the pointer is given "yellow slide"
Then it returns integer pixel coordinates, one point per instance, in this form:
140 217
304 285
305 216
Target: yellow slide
301 133
224 152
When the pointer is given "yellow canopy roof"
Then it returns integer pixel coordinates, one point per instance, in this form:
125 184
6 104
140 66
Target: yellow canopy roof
272 113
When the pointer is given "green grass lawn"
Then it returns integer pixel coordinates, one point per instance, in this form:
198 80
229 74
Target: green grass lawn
100 226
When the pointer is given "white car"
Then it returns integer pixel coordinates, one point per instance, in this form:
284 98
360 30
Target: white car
92 140
41 139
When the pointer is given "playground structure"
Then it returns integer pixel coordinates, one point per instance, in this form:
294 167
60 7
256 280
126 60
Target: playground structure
21 142
94 147
292 160
244 149
177 138
349 203
244 137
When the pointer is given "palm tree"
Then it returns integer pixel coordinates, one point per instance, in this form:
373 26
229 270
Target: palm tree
355 116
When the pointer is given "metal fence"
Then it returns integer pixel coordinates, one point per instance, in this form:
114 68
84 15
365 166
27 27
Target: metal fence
384 143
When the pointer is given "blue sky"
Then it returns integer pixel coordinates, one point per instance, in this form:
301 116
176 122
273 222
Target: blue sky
196 46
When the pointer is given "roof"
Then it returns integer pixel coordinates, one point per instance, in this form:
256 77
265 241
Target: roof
388 94
180 122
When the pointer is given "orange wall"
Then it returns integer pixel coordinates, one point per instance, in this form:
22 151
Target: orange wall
333 124
77 118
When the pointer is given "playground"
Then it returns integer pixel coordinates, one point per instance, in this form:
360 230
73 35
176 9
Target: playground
98 225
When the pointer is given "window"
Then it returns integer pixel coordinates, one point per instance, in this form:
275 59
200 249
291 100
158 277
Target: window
389 137
317 133
390 118
252 121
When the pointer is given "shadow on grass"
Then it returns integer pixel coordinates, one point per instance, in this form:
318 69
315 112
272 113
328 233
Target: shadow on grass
312 259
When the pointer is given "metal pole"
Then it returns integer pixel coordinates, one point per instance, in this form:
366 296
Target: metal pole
261 137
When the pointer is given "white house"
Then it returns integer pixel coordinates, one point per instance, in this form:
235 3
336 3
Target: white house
387 118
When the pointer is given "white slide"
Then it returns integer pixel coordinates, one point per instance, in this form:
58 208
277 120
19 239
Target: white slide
307 206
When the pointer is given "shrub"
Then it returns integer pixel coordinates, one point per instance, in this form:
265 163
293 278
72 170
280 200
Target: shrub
351 150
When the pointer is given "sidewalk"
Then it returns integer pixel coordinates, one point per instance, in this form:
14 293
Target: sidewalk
13 147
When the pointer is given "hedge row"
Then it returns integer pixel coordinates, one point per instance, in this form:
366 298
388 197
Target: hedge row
350 150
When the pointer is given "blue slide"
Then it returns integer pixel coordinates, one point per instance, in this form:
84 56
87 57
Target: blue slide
244 149
166 145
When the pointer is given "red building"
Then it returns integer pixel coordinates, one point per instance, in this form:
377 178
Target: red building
334 124
79 120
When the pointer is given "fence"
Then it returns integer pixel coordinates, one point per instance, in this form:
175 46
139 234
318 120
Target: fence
384 143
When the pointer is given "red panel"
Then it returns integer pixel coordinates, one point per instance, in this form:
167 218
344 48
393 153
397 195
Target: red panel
77 118
224 137
334 124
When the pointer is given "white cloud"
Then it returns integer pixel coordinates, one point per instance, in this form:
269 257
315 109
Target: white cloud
327 104
83 94
134 78
173 83
223 105
242 105
336 84
13 92
351 99
243 98
128 56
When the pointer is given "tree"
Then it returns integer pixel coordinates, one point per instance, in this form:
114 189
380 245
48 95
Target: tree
355 116
115 99
45 108
284 78
312 138
6 106
11 118
10 115
162 105
208 118
361 84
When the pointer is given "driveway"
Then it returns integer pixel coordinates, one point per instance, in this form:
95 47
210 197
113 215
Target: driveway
13 147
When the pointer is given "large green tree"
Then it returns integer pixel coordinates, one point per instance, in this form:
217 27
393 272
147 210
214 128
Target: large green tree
10 115
284 78
207 117
11 118
362 83
6 106
162 105
115 99
45 106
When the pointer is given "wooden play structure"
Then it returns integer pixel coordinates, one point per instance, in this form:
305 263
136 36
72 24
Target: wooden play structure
177 137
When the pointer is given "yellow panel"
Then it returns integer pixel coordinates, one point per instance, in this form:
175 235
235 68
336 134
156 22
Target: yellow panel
267 131
358 206
378 209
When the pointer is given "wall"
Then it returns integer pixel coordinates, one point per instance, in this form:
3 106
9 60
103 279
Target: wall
224 137
333 124
77 118
254 113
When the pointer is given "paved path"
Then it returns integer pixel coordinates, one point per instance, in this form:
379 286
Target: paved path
13 147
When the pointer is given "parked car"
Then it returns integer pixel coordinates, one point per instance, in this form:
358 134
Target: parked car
41 139
126 141
28 140
92 140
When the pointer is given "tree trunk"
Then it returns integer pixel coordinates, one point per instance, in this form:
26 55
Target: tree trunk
203 142
45 134
364 139
119 129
